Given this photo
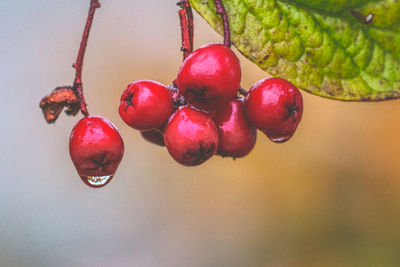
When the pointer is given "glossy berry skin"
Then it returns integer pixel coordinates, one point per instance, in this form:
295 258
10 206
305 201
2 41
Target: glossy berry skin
191 136
96 149
236 135
146 105
209 77
274 106
153 136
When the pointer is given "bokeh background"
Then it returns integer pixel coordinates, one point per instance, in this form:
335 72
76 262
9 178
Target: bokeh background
329 197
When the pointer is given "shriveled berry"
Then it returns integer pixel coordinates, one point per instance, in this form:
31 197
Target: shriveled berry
274 106
146 105
191 136
96 149
236 135
153 136
210 76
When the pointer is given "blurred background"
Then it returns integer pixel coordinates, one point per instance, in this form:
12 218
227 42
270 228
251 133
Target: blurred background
328 197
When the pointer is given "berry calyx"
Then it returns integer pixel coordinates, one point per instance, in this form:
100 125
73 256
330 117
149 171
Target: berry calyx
274 106
96 149
210 76
237 136
146 105
191 136
153 136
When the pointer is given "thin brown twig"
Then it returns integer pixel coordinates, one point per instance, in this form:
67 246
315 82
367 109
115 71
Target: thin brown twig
225 21
78 65
70 97
187 25
189 14
186 46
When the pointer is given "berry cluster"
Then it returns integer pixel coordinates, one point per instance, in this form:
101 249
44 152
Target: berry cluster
202 113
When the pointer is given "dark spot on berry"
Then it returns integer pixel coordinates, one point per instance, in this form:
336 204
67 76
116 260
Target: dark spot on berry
200 96
100 162
292 110
200 155
128 101
197 93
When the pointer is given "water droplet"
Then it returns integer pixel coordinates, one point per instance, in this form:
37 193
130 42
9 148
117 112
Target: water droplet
96 181
280 139
369 18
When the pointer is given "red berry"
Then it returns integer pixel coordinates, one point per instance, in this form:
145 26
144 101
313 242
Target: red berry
96 149
146 105
274 106
210 76
236 135
153 136
191 136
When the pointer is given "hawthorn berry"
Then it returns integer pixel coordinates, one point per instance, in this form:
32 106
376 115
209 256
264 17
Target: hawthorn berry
146 105
274 106
96 149
236 135
191 136
153 136
209 77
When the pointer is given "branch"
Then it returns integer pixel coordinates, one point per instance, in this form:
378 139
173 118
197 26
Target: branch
77 87
186 46
225 21
70 97
186 21
189 13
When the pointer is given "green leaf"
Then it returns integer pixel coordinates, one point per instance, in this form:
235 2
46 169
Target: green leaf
346 50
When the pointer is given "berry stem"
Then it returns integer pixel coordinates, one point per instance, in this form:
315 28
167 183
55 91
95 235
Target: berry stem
189 13
225 21
77 87
186 21
186 47
242 91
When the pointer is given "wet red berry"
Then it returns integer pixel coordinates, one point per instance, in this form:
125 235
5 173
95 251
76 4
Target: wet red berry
210 76
236 135
153 136
96 149
274 106
146 105
191 136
